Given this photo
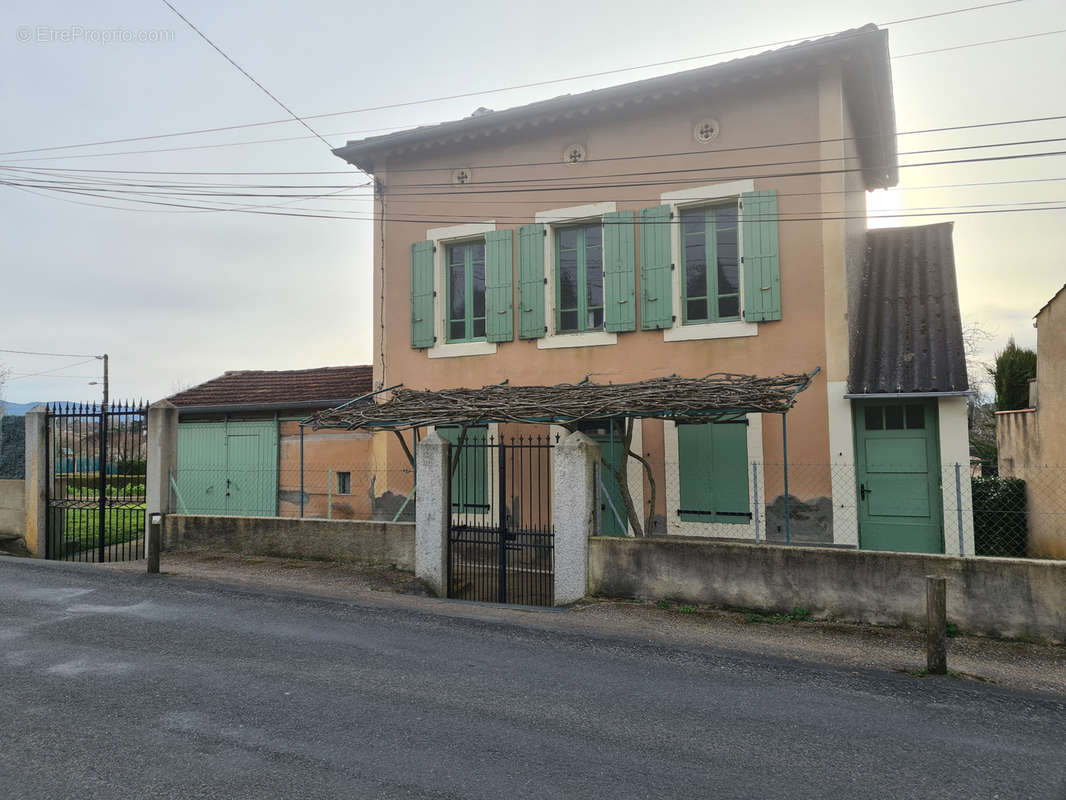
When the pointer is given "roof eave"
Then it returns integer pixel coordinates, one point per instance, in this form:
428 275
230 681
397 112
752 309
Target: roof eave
876 79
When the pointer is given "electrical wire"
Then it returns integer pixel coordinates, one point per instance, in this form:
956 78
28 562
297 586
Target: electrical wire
55 355
813 39
244 72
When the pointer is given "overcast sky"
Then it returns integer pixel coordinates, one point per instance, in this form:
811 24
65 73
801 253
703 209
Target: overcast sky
176 297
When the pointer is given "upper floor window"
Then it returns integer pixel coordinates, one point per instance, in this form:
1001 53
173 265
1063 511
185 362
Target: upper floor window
579 278
710 291
466 292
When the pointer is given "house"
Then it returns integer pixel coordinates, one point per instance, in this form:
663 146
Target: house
243 451
1032 442
708 221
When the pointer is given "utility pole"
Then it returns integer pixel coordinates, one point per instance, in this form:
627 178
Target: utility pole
105 379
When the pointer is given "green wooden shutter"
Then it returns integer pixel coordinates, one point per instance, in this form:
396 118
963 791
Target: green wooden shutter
713 472
422 294
729 471
656 292
531 282
762 268
470 479
499 287
693 460
619 312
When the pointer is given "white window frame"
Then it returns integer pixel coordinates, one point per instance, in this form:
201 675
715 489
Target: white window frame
441 238
694 198
492 516
552 220
675 526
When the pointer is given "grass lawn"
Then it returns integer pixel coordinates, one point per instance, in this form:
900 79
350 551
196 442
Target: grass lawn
81 526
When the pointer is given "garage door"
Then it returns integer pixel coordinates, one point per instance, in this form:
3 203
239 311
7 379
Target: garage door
228 468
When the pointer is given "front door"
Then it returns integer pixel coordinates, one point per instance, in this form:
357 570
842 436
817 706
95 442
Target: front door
898 474
611 439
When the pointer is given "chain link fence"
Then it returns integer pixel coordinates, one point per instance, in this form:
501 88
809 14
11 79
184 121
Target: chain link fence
837 505
334 491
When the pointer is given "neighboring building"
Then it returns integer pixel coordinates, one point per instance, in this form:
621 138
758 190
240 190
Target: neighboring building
707 221
1032 441
242 451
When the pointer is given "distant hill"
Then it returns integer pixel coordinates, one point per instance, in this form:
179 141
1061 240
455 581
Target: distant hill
18 409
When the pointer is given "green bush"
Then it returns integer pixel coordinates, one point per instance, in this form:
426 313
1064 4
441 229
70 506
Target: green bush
1000 525
13 447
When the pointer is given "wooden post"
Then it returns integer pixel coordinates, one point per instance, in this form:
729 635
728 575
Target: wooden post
936 625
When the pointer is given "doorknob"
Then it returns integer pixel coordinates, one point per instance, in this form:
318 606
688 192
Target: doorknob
863 491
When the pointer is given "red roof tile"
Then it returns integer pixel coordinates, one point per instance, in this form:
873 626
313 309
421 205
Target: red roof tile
325 385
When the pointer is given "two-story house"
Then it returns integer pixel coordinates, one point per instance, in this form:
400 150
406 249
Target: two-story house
713 220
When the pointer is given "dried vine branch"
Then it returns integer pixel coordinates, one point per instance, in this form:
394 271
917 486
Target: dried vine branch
678 399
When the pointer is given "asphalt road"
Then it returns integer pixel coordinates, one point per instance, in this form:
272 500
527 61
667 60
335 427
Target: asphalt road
119 686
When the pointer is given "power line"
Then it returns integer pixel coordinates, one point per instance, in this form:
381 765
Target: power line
943 129
464 95
56 355
245 72
981 44
75 176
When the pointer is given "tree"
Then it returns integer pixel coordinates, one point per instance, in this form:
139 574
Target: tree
1014 368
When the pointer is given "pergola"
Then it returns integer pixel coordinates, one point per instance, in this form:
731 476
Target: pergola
719 396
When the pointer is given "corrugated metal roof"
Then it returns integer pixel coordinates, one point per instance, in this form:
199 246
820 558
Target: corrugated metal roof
328 385
907 333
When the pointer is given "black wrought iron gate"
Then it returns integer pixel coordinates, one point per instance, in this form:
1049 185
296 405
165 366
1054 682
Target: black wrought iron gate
501 542
96 482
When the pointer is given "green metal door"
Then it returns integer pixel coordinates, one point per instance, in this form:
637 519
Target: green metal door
252 469
228 468
898 475
613 512
201 484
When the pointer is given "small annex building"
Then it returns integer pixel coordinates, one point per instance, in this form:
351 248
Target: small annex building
242 449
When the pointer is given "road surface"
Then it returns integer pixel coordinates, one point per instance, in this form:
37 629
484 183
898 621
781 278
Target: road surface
120 686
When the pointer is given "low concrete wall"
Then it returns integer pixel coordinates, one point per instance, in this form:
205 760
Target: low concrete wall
1020 598
391 543
13 507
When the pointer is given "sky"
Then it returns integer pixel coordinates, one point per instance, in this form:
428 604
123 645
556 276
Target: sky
177 296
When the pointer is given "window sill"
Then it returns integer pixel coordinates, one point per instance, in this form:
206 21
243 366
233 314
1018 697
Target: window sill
711 330
589 339
460 349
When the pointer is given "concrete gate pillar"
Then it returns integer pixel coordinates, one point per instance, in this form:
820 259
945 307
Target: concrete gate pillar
162 459
432 510
37 480
573 505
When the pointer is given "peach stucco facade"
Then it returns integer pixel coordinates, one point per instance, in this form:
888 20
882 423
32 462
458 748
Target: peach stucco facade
819 246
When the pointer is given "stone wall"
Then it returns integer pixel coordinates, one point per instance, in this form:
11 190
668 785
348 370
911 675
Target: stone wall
13 517
1022 598
377 543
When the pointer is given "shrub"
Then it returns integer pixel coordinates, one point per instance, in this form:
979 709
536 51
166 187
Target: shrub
1000 525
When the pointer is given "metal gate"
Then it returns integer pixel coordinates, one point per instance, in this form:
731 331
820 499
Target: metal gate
96 482
501 542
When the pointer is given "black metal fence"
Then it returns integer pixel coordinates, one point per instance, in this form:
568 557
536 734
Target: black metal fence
96 482
501 541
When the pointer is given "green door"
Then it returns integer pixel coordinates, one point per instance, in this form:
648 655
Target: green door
251 469
201 468
470 480
612 508
898 475
228 468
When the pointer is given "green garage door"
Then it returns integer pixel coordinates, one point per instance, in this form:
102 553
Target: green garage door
228 468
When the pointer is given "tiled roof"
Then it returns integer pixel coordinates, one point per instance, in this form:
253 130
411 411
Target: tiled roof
907 332
867 85
325 385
